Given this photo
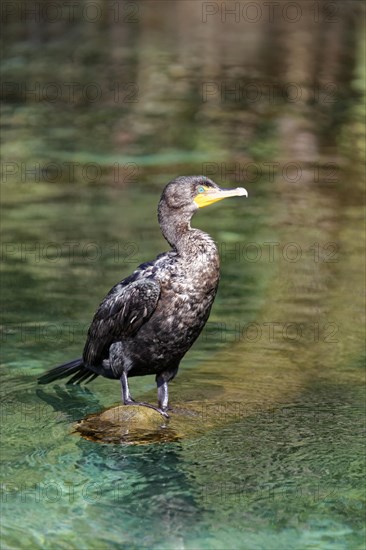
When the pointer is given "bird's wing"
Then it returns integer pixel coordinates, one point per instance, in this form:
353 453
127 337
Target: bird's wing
123 311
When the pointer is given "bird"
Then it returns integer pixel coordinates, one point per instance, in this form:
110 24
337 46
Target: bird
149 320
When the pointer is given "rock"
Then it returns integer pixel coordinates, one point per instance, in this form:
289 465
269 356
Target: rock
133 416
131 424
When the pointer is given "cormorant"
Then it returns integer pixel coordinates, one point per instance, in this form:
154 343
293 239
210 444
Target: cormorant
148 321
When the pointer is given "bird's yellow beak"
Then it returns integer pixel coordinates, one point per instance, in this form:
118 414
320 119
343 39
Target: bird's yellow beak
210 195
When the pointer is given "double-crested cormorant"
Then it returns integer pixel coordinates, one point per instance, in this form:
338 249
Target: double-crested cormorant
148 321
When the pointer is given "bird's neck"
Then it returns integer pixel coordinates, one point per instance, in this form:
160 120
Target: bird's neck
173 225
176 234
199 258
186 240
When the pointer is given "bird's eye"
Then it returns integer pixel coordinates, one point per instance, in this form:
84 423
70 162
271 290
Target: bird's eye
201 189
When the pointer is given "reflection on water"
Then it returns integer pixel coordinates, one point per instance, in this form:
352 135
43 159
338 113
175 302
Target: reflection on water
272 456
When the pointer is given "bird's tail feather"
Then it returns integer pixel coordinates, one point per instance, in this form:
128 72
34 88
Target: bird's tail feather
75 368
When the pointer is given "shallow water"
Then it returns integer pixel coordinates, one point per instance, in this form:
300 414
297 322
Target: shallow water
273 456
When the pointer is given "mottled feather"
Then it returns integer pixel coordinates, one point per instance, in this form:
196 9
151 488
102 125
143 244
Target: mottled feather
121 314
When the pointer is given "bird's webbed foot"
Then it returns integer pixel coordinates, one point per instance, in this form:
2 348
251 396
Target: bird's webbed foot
143 404
127 399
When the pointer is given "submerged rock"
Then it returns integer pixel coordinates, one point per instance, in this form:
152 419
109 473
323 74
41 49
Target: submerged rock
126 424
137 425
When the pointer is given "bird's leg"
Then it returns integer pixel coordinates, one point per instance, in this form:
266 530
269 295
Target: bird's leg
126 396
127 399
162 381
163 394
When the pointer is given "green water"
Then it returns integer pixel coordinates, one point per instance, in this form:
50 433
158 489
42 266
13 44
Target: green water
274 459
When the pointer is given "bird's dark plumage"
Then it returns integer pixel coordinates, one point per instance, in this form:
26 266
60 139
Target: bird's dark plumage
148 321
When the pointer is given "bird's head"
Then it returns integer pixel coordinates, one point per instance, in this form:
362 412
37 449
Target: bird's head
188 193
183 196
